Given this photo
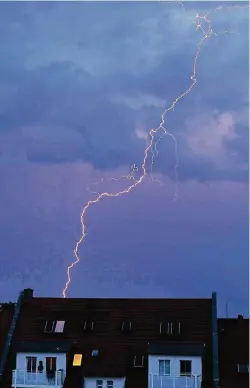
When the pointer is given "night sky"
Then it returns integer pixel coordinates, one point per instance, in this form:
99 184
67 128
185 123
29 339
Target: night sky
81 86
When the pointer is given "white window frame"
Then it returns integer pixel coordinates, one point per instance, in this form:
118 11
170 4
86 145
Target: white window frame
53 326
99 383
141 364
130 325
57 326
110 384
169 329
165 362
91 328
33 362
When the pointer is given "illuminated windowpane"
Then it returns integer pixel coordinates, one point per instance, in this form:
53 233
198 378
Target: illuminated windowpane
59 326
77 361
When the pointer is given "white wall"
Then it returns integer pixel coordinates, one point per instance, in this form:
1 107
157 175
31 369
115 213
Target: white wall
153 364
60 359
90 382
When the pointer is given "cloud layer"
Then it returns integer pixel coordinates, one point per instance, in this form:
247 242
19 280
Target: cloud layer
66 95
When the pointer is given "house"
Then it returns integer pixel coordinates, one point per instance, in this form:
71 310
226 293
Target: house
234 352
111 343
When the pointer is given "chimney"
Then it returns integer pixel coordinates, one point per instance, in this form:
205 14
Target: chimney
27 294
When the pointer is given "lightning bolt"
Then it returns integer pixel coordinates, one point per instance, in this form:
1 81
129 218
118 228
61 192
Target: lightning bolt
200 23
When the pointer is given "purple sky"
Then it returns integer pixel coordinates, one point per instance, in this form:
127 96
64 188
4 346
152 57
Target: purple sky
81 85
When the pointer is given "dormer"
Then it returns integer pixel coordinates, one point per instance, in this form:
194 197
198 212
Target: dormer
54 326
88 326
166 328
126 326
177 328
170 328
138 361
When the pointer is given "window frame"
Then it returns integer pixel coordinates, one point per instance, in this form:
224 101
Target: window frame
32 368
49 361
110 384
186 373
126 326
99 383
57 326
165 362
77 360
141 365
166 328
88 326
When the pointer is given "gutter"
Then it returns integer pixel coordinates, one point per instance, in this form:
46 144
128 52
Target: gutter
215 342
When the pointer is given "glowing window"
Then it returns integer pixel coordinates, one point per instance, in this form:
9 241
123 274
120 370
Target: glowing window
77 361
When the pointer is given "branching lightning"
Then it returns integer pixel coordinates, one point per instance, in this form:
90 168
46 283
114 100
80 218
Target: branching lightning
204 24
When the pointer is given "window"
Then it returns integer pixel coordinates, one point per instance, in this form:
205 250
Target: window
243 368
54 326
49 326
88 326
99 384
110 384
59 326
185 367
51 364
126 326
138 361
164 367
31 364
77 360
166 328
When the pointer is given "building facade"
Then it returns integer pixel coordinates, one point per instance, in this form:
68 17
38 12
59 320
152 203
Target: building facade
111 343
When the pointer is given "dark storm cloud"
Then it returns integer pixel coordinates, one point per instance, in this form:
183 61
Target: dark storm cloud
71 96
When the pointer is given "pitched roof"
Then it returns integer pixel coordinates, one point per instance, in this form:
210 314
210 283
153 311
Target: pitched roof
115 347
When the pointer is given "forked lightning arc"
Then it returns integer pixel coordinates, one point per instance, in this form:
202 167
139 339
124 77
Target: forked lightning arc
204 24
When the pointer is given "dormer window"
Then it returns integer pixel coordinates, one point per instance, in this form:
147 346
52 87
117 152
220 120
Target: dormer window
166 328
138 361
126 326
88 326
54 326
